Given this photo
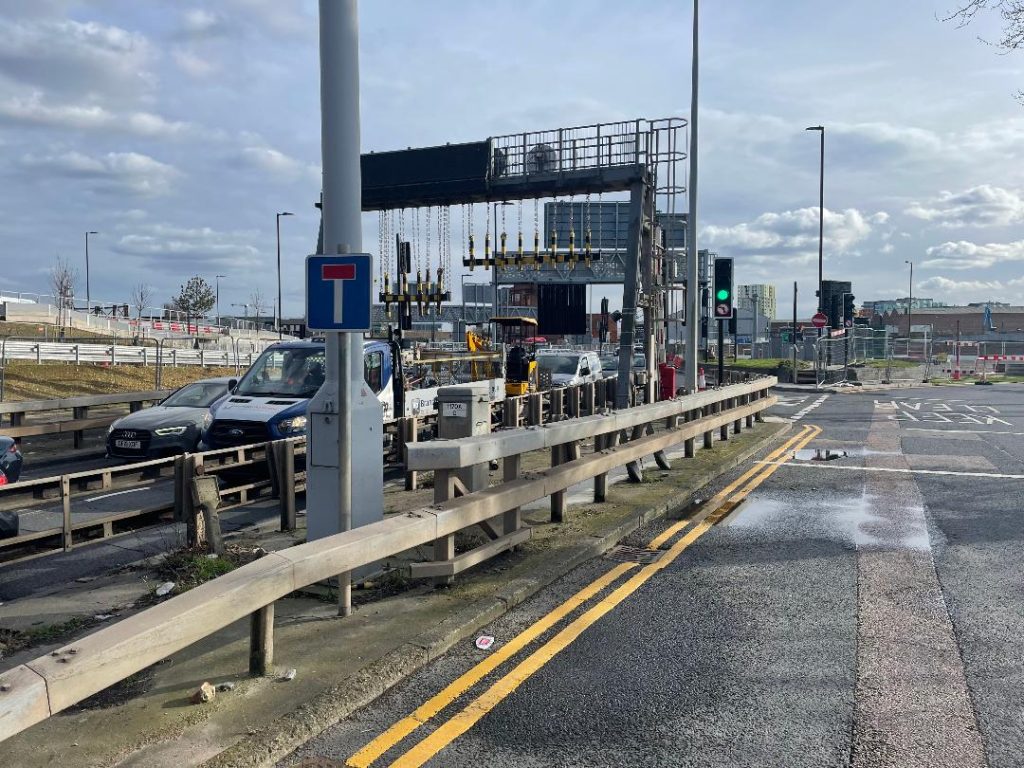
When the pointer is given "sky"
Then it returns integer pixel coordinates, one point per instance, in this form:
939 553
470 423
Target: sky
177 130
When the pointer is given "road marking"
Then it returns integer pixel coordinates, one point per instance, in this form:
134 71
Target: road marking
800 414
462 721
963 431
116 493
372 751
900 470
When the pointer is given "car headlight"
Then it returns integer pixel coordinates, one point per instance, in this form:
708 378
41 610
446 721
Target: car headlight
293 426
207 420
165 431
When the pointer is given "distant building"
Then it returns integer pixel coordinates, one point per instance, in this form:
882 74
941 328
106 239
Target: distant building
941 322
762 293
899 305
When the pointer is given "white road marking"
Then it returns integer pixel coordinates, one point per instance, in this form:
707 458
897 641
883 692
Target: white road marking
963 431
118 493
800 414
896 470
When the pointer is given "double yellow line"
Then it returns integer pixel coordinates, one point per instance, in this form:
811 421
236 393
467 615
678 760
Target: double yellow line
710 513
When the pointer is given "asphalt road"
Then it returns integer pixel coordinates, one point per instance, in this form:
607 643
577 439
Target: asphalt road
862 605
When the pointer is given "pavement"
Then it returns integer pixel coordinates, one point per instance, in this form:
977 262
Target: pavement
341 664
856 601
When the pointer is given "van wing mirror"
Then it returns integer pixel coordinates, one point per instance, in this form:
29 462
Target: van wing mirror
232 383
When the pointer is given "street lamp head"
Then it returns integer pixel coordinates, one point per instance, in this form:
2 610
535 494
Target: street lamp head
815 128
92 232
286 213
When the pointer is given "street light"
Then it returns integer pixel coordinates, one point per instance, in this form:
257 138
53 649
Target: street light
910 297
245 308
277 314
217 278
87 304
821 213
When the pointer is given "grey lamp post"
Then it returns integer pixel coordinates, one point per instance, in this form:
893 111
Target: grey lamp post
277 314
821 213
88 305
910 299
217 278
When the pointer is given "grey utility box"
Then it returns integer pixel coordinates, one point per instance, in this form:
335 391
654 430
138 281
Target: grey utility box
465 411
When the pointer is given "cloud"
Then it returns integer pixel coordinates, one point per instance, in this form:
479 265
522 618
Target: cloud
962 291
963 254
981 206
795 231
192 64
197 22
277 164
74 57
32 110
178 249
113 172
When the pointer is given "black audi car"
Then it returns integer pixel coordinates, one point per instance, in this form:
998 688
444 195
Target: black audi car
10 461
172 427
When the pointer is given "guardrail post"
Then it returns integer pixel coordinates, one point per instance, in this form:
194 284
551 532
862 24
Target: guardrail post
509 472
39 354
286 483
408 432
587 400
708 435
17 420
65 498
690 444
174 358
78 354
603 443
261 640
558 497
573 404
535 409
724 430
202 357
80 412
737 426
134 405
113 357
510 411
444 548
750 419
759 416
557 404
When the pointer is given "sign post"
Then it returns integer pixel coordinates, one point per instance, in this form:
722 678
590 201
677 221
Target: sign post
345 417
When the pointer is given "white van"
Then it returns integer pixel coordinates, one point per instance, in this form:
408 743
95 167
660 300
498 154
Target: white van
568 367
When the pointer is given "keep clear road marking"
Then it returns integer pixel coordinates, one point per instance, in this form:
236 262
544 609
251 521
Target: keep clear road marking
711 512
898 470
800 414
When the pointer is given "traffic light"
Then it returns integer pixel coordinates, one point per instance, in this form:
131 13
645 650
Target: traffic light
723 292
848 310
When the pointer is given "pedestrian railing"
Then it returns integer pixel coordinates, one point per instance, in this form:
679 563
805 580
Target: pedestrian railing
40 688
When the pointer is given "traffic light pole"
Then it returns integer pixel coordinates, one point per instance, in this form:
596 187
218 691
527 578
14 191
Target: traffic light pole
721 352
795 377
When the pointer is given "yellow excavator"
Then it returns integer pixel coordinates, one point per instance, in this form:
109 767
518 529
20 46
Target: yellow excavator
519 335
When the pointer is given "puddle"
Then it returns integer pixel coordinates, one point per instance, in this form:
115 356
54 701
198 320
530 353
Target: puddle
831 454
818 454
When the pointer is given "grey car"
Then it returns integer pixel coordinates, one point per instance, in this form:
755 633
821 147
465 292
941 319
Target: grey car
172 427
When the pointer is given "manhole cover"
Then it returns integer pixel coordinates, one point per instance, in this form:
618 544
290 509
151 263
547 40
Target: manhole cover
624 554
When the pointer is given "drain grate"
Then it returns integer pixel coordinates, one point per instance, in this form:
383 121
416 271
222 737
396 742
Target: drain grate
624 554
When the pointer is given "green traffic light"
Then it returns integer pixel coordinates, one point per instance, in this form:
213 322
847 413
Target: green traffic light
722 294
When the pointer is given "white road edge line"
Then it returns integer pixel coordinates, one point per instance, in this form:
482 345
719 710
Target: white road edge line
963 431
117 493
897 470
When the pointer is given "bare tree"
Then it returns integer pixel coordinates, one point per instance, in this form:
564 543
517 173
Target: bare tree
62 282
258 303
1011 12
142 294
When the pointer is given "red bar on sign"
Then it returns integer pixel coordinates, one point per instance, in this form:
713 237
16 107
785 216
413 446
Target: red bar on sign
338 272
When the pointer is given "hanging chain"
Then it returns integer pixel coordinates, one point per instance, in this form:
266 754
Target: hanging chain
430 210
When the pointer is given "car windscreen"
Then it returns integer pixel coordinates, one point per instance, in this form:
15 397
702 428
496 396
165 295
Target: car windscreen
198 395
559 363
285 373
